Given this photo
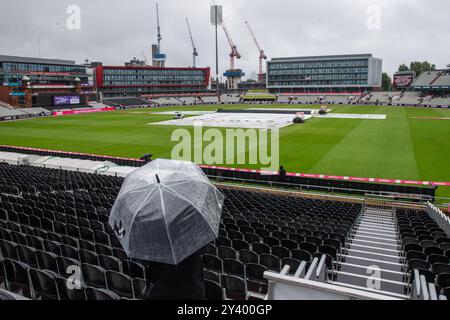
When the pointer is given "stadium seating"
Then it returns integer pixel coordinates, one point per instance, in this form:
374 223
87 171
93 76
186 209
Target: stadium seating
126 102
230 98
443 80
409 98
439 101
57 219
382 97
5 112
426 78
426 247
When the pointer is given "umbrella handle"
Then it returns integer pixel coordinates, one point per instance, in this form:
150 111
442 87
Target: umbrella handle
157 179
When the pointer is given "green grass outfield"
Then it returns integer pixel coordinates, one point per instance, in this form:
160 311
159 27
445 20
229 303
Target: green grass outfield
401 147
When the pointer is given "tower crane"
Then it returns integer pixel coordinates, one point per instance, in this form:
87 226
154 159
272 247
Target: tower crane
194 48
145 58
262 55
158 26
234 52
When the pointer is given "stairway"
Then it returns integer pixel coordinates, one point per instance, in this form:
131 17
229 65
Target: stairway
372 259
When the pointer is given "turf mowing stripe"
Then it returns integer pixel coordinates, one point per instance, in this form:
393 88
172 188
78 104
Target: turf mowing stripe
375 148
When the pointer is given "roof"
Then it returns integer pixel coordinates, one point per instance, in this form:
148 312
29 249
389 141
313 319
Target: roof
328 57
17 59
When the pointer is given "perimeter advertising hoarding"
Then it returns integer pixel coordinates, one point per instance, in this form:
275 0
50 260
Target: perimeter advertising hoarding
66 100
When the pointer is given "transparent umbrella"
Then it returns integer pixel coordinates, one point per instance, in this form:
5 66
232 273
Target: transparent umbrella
166 211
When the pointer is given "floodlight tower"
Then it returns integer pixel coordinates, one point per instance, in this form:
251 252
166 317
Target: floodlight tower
262 55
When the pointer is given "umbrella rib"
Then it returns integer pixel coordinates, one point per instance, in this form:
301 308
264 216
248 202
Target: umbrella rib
189 181
133 190
136 213
146 198
163 207
182 197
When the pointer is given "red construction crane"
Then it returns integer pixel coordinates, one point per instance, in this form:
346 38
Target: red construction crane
262 55
234 52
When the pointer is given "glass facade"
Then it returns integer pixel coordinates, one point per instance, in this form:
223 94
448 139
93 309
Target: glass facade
121 77
43 74
340 71
136 81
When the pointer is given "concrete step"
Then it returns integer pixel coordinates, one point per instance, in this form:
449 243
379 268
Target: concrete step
372 259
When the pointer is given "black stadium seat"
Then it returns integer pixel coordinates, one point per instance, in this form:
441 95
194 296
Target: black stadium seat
213 291
101 294
58 220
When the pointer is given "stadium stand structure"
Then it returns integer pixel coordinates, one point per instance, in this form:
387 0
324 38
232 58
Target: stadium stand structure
125 102
230 98
443 80
425 79
18 114
382 97
409 98
6 105
5 112
59 218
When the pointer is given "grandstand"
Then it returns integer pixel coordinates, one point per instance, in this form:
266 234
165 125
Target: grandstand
230 98
409 98
442 81
59 217
425 79
382 97
124 102
440 101
16 114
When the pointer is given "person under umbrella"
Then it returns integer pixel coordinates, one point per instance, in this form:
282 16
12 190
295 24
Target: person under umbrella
164 215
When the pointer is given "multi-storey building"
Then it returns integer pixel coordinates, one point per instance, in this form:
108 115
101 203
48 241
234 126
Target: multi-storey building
324 73
116 81
36 82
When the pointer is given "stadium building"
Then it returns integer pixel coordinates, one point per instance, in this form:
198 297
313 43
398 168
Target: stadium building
337 73
115 81
35 82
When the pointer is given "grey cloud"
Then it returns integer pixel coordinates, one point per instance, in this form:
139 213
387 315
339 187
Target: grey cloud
114 31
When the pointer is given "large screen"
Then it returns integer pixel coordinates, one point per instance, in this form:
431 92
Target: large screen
403 80
66 100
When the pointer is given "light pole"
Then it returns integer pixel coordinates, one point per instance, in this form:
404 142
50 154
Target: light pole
217 54
216 19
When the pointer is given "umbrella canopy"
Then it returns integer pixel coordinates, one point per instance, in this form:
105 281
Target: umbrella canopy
166 211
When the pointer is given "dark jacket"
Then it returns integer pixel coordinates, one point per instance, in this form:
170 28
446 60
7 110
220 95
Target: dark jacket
181 282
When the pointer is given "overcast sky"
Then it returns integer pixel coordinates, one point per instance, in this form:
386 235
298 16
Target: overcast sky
114 31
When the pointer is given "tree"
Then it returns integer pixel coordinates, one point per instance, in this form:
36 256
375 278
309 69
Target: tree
403 67
420 67
386 82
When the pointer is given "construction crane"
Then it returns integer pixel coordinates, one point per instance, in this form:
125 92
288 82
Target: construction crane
262 55
158 28
234 52
194 48
145 58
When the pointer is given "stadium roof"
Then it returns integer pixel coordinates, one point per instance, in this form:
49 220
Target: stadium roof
35 60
